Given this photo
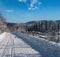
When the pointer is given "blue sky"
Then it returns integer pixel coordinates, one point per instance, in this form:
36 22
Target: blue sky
29 10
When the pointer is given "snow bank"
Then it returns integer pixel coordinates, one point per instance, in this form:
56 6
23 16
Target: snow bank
6 35
2 36
48 48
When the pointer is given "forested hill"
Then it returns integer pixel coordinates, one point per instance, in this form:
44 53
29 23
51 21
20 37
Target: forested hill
40 26
43 25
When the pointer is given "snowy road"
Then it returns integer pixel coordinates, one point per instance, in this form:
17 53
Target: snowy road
12 46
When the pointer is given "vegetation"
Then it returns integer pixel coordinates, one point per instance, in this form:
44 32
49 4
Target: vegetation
44 26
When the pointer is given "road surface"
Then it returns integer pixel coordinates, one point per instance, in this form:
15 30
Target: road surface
12 46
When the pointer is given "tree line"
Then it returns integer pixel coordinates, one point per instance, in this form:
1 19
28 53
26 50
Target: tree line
44 26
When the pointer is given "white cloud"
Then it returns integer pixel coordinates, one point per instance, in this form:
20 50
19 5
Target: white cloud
9 11
34 1
34 8
29 8
31 5
22 1
34 4
40 3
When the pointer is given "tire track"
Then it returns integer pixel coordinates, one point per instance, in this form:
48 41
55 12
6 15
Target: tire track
4 52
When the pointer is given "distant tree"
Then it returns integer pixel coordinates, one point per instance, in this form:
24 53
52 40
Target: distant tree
2 18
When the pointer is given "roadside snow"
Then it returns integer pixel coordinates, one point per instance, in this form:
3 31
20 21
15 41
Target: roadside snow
47 48
16 46
2 36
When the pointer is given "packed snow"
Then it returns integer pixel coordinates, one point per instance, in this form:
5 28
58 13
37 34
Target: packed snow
13 46
23 45
2 36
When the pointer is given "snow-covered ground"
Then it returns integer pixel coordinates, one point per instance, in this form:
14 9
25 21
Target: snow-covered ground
13 46
24 45
46 47
2 36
